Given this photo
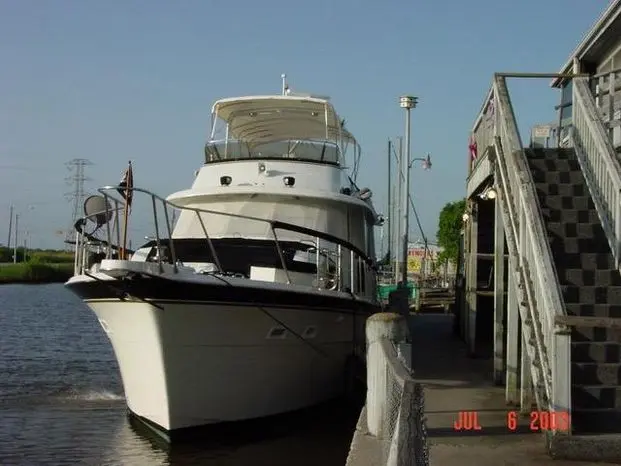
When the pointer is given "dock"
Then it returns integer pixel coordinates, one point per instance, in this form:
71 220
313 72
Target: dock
455 382
535 330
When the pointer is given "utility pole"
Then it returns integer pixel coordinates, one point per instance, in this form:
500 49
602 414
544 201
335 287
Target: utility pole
390 217
398 208
77 195
15 245
26 235
408 103
8 243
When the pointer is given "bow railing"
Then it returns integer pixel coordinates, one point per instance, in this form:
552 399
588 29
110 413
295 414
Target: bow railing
340 264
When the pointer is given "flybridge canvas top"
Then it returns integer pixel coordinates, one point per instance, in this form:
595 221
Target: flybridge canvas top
262 119
288 126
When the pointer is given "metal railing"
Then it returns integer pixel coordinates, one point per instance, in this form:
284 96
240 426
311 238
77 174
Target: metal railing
540 302
598 159
393 418
341 265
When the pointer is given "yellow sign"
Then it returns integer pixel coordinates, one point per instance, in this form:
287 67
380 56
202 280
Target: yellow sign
414 264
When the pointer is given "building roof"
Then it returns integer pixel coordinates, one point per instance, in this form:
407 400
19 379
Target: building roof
598 41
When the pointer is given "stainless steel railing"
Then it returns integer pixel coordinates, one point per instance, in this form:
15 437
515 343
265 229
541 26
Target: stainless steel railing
340 265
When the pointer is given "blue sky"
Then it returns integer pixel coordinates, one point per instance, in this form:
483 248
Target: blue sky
135 79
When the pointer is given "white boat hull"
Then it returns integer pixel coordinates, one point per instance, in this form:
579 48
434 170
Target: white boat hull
187 364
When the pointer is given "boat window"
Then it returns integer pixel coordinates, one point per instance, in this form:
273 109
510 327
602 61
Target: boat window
277 332
238 255
310 332
308 151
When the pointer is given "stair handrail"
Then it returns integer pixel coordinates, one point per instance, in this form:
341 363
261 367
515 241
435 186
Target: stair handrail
539 278
599 163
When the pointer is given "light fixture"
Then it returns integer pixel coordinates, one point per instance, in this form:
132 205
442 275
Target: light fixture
408 101
427 162
289 181
465 217
262 167
488 193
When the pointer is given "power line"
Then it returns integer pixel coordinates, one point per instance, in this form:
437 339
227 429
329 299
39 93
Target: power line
76 197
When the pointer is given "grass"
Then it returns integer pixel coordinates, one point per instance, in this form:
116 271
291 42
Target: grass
50 256
36 271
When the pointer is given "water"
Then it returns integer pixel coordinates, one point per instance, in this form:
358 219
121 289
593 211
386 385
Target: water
61 400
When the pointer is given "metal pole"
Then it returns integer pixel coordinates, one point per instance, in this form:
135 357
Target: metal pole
390 218
398 208
405 199
15 245
407 102
8 244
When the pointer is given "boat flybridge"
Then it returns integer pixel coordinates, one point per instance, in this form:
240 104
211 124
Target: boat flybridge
253 301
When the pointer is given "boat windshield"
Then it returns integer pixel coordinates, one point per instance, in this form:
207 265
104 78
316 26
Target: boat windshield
308 151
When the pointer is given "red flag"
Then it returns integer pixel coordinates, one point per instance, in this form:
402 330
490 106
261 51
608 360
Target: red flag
126 185
472 146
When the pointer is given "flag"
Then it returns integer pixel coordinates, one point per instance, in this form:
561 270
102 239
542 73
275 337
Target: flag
472 146
490 107
126 185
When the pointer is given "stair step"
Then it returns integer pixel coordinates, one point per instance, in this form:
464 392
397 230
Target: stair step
580 277
561 246
555 189
568 230
595 334
594 310
567 202
547 153
595 352
585 261
570 216
595 421
573 294
554 164
591 373
596 397
547 177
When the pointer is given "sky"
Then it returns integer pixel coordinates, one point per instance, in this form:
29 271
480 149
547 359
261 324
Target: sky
135 80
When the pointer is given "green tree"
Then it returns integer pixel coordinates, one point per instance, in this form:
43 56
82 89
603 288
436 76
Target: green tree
449 229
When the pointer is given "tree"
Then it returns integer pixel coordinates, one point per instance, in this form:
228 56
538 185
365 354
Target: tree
449 230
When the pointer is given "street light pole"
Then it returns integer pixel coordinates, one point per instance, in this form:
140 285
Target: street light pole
397 208
15 245
390 217
408 103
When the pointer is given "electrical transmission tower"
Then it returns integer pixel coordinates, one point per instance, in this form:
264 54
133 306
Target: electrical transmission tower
77 195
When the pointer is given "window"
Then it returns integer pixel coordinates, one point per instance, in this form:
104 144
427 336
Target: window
308 151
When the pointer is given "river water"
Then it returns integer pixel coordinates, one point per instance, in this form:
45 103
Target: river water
61 400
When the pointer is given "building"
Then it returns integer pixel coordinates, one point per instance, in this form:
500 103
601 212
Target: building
599 56
540 288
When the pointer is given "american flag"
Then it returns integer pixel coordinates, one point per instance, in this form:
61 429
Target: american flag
126 185
472 146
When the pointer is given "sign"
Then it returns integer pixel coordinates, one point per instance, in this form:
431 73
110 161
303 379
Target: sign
416 256
541 131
